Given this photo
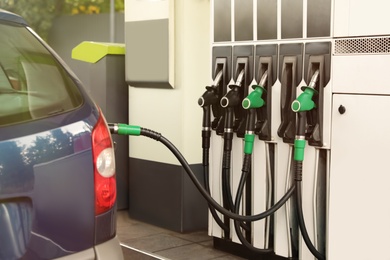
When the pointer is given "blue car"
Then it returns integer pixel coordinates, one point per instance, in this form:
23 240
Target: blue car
57 164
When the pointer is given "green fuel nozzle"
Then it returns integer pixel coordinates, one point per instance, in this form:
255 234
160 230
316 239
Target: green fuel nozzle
305 100
301 105
252 101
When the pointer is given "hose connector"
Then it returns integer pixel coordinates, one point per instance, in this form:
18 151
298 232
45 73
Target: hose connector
249 140
299 148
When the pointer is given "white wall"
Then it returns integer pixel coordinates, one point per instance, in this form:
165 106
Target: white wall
175 112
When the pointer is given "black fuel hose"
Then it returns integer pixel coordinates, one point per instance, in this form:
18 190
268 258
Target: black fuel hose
240 235
213 212
158 137
301 220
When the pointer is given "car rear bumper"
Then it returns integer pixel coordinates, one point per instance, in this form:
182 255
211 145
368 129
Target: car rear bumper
110 249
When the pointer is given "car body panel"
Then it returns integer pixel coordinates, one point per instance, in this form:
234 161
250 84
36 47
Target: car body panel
52 194
47 193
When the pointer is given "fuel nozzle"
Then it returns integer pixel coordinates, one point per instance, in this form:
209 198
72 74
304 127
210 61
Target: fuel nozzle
208 101
301 105
124 129
254 99
251 102
232 98
210 96
230 102
305 100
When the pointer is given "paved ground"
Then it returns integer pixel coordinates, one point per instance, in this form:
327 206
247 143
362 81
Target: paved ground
142 241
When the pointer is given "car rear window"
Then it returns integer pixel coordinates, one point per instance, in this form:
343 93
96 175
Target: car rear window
33 84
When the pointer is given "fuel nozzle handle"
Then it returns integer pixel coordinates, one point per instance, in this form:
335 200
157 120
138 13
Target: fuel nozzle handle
210 96
230 101
301 105
232 98
251 102
305 100
254 99
208 99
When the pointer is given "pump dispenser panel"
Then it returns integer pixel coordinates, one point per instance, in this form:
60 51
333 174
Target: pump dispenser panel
222 60
326 64
243 59
265 62
317 57
290 67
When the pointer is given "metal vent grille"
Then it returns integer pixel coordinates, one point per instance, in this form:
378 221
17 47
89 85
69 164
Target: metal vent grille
363 46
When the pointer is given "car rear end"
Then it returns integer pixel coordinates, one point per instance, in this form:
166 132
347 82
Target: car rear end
57 164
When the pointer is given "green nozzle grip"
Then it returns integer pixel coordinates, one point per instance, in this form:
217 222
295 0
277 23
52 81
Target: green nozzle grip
124 129
304 102
254 100
299 149
249 140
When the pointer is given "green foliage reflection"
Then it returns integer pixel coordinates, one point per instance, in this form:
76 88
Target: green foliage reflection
40 13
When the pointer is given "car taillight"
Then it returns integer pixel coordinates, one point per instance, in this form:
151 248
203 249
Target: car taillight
104 167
